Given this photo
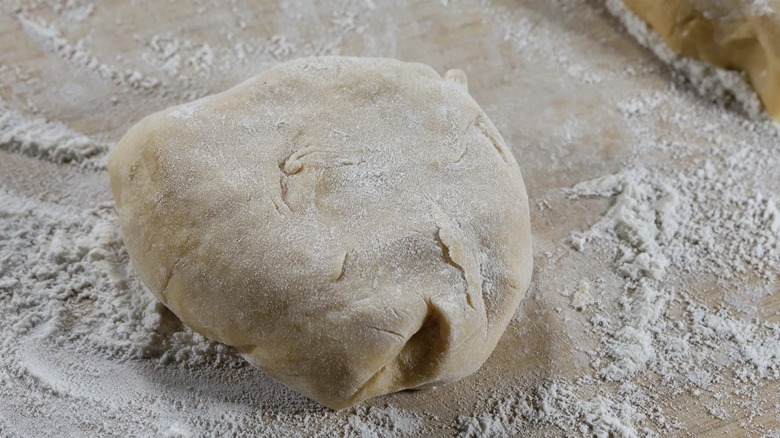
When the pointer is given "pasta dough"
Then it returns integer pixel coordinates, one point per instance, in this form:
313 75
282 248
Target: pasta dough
353 226
734 34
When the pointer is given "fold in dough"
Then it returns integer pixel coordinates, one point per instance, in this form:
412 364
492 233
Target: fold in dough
734 34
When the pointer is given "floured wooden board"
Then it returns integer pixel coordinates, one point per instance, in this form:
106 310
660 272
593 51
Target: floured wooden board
653 307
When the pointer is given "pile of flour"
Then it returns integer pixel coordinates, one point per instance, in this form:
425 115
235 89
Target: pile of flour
661 298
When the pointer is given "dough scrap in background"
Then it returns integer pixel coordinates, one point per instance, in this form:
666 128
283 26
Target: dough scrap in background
353 226
742 35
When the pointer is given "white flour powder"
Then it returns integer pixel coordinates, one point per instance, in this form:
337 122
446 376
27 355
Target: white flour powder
54 141
76 54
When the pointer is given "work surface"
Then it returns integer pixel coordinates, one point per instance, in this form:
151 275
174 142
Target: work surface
653 306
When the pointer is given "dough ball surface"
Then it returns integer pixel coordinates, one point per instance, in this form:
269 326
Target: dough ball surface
353 226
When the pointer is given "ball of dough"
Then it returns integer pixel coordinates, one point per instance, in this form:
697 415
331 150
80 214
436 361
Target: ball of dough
353 226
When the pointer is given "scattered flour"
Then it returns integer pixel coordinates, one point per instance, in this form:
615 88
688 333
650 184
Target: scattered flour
49 140
556 404
582 296
49 39
382 423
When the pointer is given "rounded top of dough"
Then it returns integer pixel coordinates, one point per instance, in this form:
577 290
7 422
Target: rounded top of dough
353 226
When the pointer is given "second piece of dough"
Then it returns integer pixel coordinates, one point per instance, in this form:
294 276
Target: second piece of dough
734 34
